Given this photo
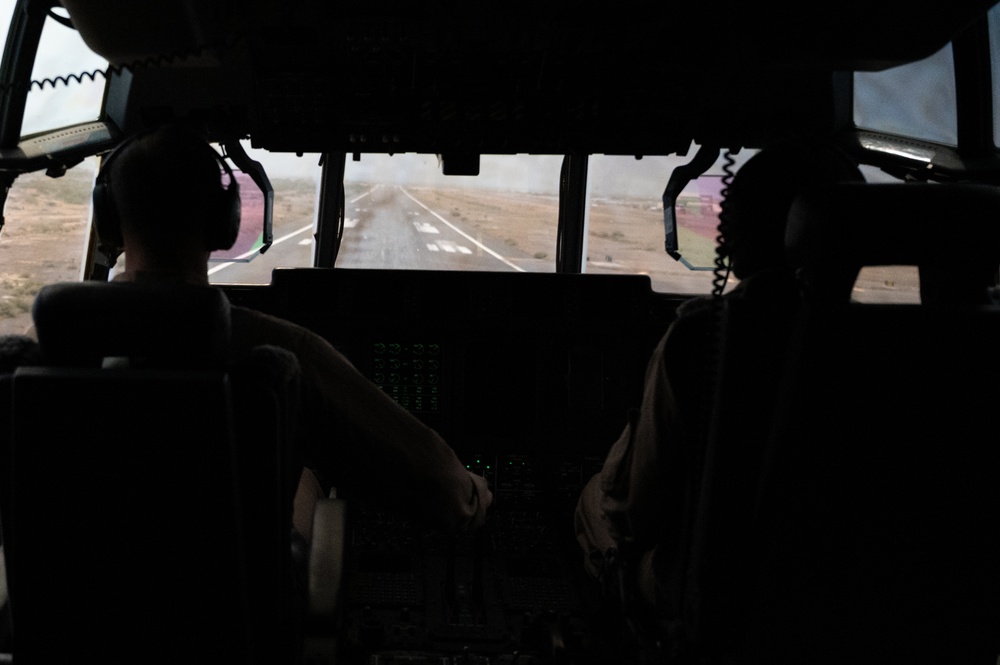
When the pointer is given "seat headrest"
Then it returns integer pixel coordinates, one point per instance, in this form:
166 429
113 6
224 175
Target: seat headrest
81 323
951 232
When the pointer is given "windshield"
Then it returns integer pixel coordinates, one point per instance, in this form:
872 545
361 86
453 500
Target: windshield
402 213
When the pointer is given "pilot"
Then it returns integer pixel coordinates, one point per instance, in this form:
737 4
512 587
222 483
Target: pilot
166 185
633 510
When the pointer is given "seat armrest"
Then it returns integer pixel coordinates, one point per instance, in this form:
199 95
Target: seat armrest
326 561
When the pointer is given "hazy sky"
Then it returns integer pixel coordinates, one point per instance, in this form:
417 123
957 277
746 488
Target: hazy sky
610 176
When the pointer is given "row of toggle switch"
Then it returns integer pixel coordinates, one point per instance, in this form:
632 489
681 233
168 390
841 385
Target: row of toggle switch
381 348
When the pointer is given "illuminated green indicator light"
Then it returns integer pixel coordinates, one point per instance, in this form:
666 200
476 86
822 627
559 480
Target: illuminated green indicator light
468 466
487 466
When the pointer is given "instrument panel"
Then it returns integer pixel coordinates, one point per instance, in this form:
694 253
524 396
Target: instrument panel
529 377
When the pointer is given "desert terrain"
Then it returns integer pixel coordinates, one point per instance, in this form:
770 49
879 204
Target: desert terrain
44 238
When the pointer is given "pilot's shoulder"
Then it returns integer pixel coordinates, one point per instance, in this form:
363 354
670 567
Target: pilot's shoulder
252 327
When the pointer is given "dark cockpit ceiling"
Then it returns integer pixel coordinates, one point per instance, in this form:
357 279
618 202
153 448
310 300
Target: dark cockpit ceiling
630 77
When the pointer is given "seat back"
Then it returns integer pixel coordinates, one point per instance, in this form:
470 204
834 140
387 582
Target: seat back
755 326
147 514
755 322
15 350
877 526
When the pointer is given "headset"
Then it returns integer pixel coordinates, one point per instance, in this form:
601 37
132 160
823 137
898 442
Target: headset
224 208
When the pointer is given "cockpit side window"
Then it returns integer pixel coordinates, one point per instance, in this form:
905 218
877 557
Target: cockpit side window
915 100
44 234
6 13
43 239
67 90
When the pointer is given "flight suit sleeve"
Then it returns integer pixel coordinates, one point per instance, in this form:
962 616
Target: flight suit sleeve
621 502
369 446
639 498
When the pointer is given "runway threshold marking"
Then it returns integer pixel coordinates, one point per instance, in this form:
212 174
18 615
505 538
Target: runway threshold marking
425 227
462 233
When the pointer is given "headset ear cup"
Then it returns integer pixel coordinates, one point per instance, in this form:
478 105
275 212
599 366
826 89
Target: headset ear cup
223 233
224 207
